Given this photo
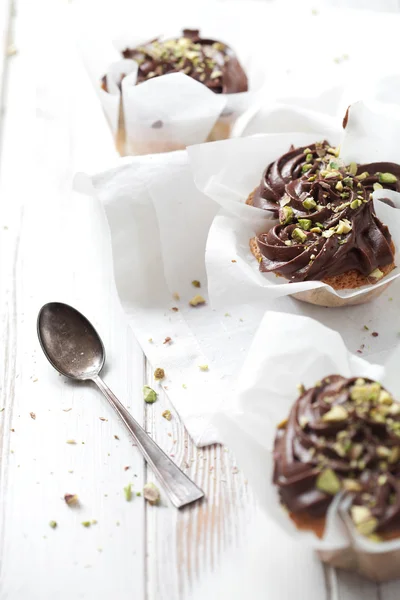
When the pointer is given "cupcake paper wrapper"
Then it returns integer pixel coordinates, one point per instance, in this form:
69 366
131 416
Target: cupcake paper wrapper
288 350
171 111
229 171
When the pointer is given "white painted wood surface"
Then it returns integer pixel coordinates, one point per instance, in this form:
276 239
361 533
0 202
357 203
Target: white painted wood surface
134 550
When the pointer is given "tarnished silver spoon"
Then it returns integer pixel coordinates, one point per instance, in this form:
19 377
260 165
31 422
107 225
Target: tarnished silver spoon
75 349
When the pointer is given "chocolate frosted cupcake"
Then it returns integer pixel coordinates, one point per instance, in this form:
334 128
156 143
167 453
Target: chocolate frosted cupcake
328 230
341 437
211 62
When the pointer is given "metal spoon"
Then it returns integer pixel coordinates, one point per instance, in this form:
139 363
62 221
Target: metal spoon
75 349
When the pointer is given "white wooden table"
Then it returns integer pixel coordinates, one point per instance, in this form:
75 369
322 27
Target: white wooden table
133 551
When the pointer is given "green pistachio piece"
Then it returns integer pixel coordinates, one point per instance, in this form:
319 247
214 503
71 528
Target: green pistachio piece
385 398
216 74
348 182
312 178
309 204
365 393
307 151
363 175
350 485
334 151
342 206
394 455
197 300
387 178
306 168
128 492
53 524
359 514
298 235
309 157
352 168
344 226
149 395
315 230
332 174
288 242
376 274
339 186
328 233
367 527
377 186
333 165
336 414
355 204
382 451
328 482
305 224
286 215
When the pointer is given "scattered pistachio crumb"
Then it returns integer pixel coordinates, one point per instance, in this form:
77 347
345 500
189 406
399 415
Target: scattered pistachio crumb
196 283
203 367
71 442
184 386
227 315
176 296
149 394
159 374
197 300
167 415
151 493
86 523
71 499
94 522
150 340
138 493
366 327
128 492
1 409
53 524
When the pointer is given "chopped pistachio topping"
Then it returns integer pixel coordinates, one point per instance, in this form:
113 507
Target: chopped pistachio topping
309 204
356 204
86 523
286 215
196 283
376 274
306 167
387 178
151 493
203 367
352 168
335 414
365 392
149 395
309 157
53 524
344 226
159 374
339 186
377 186
305 224
71 499
328 482
315 230
362 176
298 235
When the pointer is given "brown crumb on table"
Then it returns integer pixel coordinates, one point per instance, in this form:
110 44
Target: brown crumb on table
66 409
167 340
116 437
126 468
233 260
159 374
33 416
103 419
374 334
175 308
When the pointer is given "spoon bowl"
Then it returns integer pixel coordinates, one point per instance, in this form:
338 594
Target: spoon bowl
70 342
74 348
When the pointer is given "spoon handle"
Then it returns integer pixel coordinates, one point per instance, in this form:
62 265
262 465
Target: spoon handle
180 489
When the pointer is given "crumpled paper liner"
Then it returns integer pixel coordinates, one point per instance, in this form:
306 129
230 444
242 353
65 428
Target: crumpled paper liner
288 350
228 171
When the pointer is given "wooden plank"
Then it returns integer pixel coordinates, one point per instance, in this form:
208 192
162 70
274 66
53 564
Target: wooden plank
55 246
184 546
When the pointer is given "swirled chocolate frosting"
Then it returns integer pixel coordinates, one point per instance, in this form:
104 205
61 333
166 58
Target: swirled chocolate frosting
343 435
211 62
327 222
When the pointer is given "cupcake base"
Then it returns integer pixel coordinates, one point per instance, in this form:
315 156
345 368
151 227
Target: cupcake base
350 280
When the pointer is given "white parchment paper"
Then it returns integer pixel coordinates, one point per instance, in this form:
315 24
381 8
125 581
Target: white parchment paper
160 223
288 350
